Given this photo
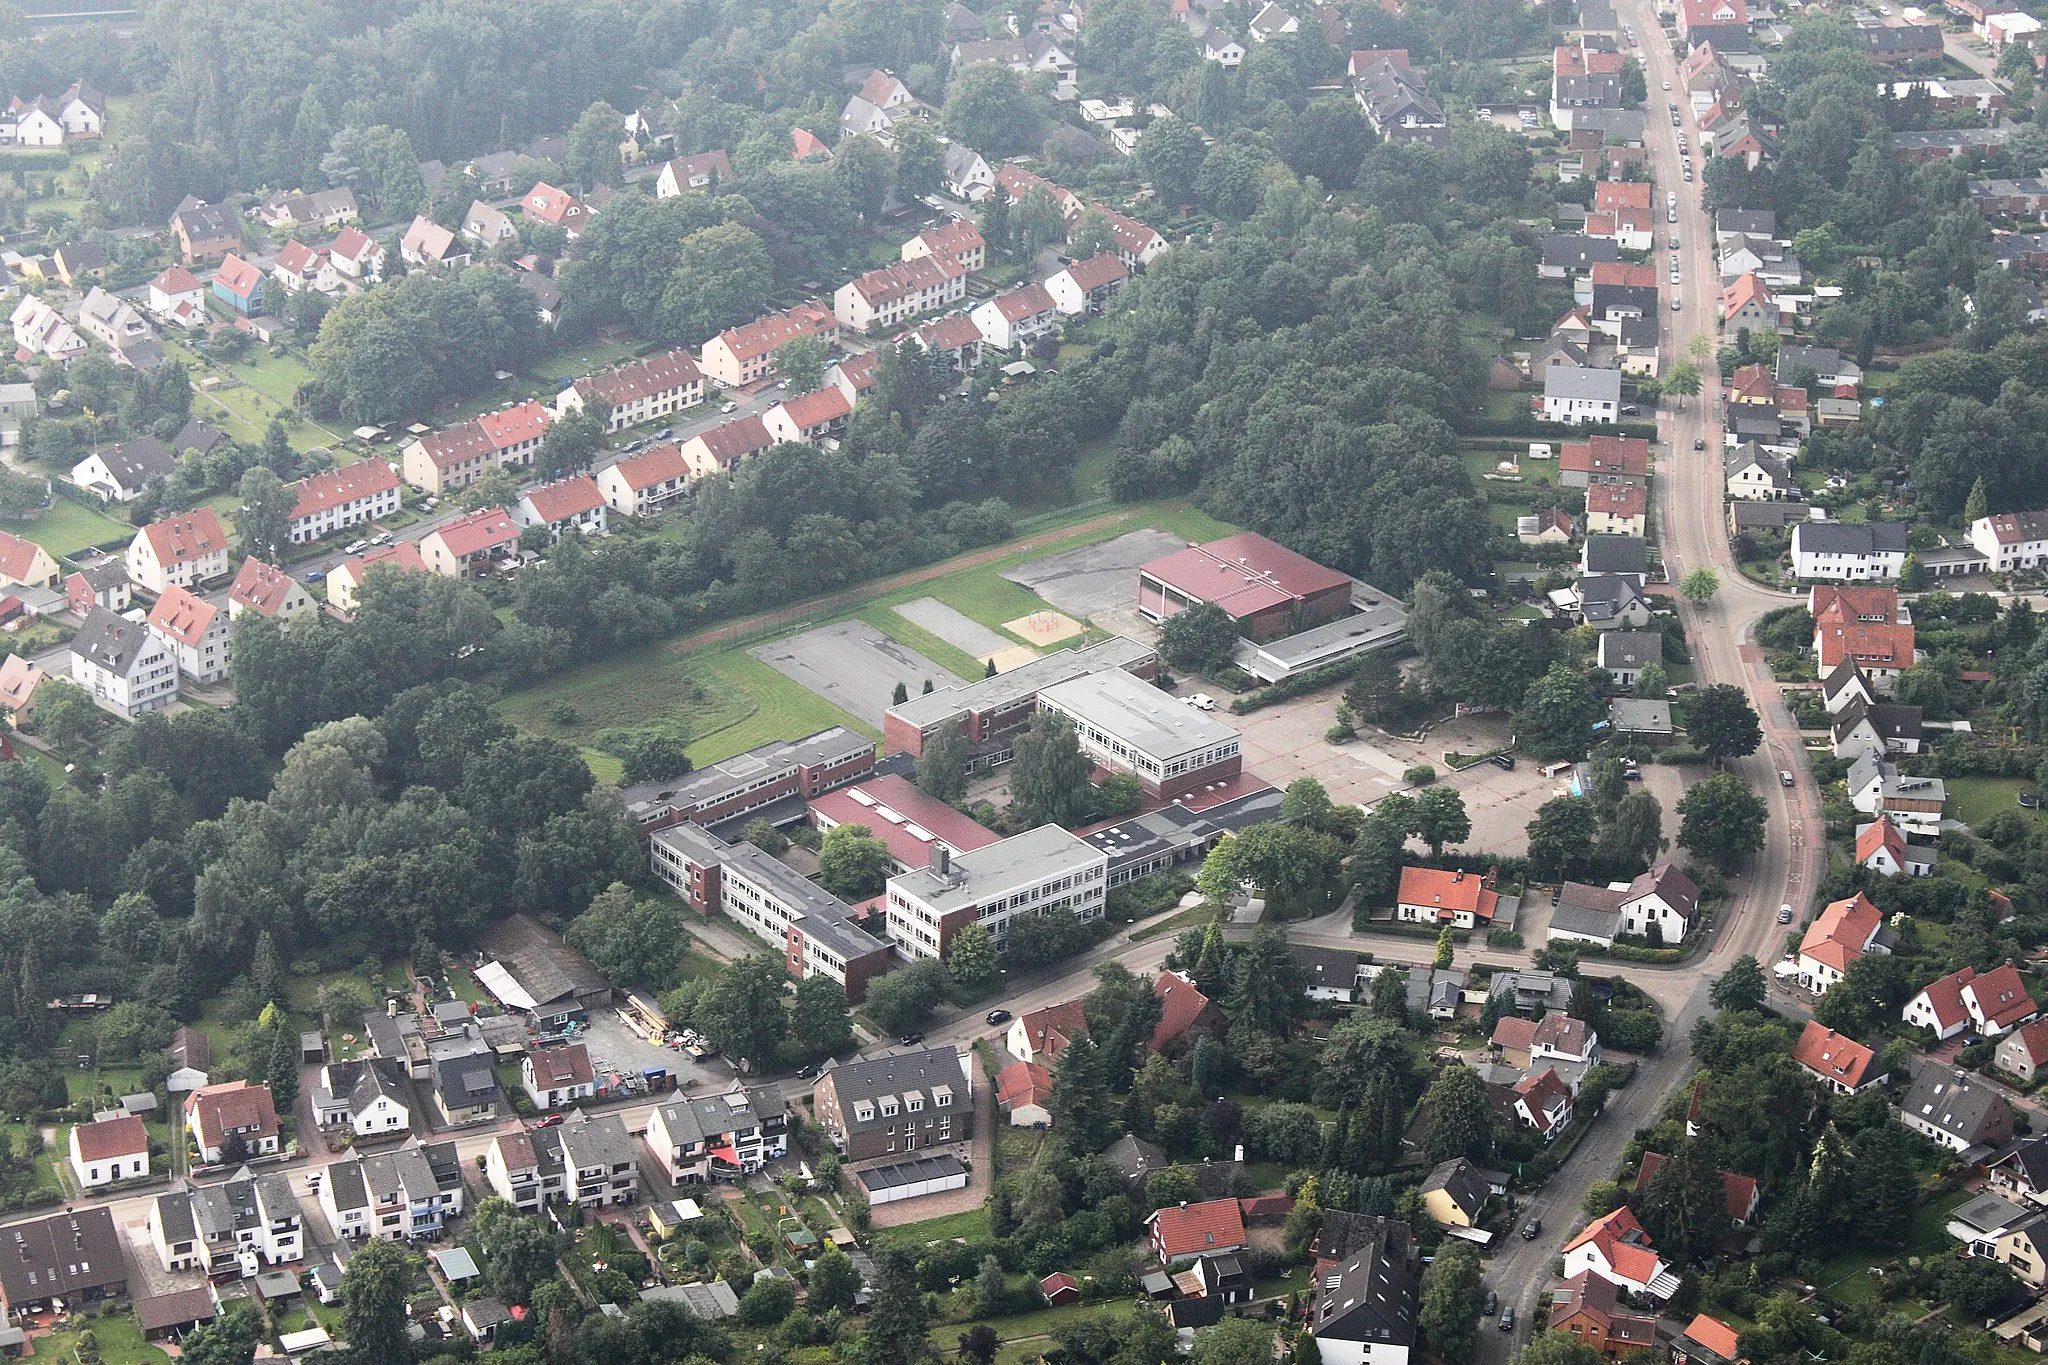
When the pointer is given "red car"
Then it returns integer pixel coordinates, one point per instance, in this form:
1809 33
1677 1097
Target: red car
550 1121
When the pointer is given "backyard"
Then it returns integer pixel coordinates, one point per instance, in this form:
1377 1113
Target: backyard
69 527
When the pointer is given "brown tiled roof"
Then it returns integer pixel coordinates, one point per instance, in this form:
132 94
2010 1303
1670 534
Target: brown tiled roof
570 497
338 487
816 408
186 536
18 558
628 383
763 335
260 587
124 1136
182 616
484 529
652 467
1096 271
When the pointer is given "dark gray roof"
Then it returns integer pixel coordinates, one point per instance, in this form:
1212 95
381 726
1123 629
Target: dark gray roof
1328 968
1615 125
1602 595
592 1142
1751 514
109 640
1594 384
912 1172
1631 649
134 463
1134 1158
871 1079
710 1116
1616 555
1844 538
1576 251
1750 453
1461 1180
1369 1298
1890 720
466 1080
1953 1101
1759 222
545 967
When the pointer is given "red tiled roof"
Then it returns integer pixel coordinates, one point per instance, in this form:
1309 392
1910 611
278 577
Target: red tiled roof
763 335
1180 1006
688 168
816 408
1872 645
339 487
642 379
953 239
1622 273
1883 834
565 498
558 208
351 242
19 679
237 276
182 616
902 278
176 280
1738 1193
403 556
1514 1033
1447 892
1612 196
1838 935
185 536
1834 605
1197 1228
297 258
1693 13
1050 1030
904 818
1714 1334
484 529
214 1109
1023 1083
1539 1090
1098 270
18 558
260 587
555 1068
1748 286
1625 455
806 143
730 442
652 467
1830 1055
1618 499
2033 1040
110 1138
948 333
1019 304
1751 384
859 370
1059 1282
2000 996
494 431
1131 235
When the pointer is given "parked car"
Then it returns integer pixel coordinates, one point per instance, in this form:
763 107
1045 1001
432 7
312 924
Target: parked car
730 407
1202 701
315 575
1492 1302
550 1121
1699 443
1631 774
1532 1229
355 547
1784 777
999 1016
1784 914
1505 762
1507 1318
911 1039
381 538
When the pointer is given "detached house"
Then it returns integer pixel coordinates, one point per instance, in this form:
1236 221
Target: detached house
1585 1306
1989 1003
1844 931
1616 1249
195 629
177 297
572 503
25 564
965 174
267 591
557 208
111 321
1543 1102
1840 1063
109 1150
427 244
345 581
1865 631
1755 474
1016 318
205 232
1880 728
239 285
324 209
1464 900
1041 1035
1190 1230
487 226
40 330
2024 1053
338 499
371 1097
182 551
557 1077
645 391
125 666
1882 847
464 548
641 485
703 171
217 1115
1580 397
300 267
1955 1110
357 256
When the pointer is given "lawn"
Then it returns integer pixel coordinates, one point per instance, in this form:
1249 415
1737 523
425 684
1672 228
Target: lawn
69 527
118 1336
1535 473
970 1223
1847 1277
1974 800
1177 923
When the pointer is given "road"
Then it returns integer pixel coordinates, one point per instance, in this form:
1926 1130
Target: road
1688 508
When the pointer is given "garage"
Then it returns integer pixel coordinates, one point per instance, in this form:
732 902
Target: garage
913 1179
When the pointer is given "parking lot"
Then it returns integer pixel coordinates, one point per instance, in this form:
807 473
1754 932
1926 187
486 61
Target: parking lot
853 666
1095 578
613 1046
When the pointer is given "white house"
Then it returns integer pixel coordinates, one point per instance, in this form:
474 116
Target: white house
1221 47
178 298
111 321
1840 552
393 1195
235 1227
1616 1249
575 502
195 629
41 330
1989 1003
966 175
371 1097
643 484
2011 540
181 551
557 1077
488 226
883 298
268 591
109 1150
1843 931
337 499
125 666
1757 475
1015 318
1577 397
357 255
1087 286
644 391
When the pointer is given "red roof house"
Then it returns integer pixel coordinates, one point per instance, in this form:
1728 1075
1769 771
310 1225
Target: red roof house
1839 1062
1183 1009
1189 1230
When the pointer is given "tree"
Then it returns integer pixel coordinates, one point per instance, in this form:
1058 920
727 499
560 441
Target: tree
1202 638
1170 155
818 1017
1460 1117
1740 987
802 363
374 1291
592 157
1446 947
1266 990
1234 1341
1872 989
972 960
230 1339
1685 1208
1389 999
1635 835
905 998
284 1064
1452 1298
1050 778
1699 586
1653 683
1441 819
1721 723
264 521
1561 836
1557 714
743 1013
1557 1348
921 160
767 1302
1375 685
571 443
1912 574
1721 820
864 169
852 863
897 1324
1683 379
988 109
1295 868
724 277
1079 1102
1977 506
942 766
630 940
1118 794
834 1281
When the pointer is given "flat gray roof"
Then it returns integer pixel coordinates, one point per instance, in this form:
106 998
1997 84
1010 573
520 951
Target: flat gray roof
741 771
1022 682
1016 861
1151 721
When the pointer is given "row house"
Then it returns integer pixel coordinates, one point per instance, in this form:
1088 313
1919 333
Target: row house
467 546
812 418
883 298
196 631
2011 540
1635 219
181 551
338 499
954 338
716 450
1016 318
412 1192
718 1137
959 240
575 503
741 355
641 485
123 665
268 591
1135 242
596 1157
233 1228
1015 182
321 209
1086 287
345 580
447 461
645 391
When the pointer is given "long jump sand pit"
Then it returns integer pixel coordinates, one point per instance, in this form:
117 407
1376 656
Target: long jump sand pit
1044 628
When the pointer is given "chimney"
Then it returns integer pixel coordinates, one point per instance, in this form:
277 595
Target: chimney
1183 1203
942 859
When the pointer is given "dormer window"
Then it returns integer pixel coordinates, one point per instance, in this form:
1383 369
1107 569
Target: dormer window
889 1106
863 1111
942 1097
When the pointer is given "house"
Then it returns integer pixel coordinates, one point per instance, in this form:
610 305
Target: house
205 232
1554 527
410 1192
1955 1110
125 665
357 256
1455 1193
965 175
1429 895
1086 287
300 267
644 391
19 679
881 299
812 418
1880 728
575 503
1024 1094
718 1137
1183 1011
2024 1053
557 1077
513 1168
741 355
1623 557
1214 1227
1706 1341
1560 1037
427 244
1511 1038
1398 105
1626 653
181 551
1883 848
1041 1035
1135 242
1586 1307
1615 1248
178 298
804 145
854 376
231 1122
1016 318
1842 1064
195 629
77 262
371 1098
1913 803
1987 1003
1224 1277
954 338
598 1165
108 1151
557 208
1863 629
338 499
1609 602
1222 47
466 547
25 564
1758 475
447 461
641 485
1578 397
1034 54
111 321
324 209
1844 931
958 239
704 171
1059 1288
718 449
1364 1307
239 284
1618 509
1635 218
72 1258
890 1106
40 330
235 1227
1543 1102
465 1088
1806 366
345 580
1840 552
189 1055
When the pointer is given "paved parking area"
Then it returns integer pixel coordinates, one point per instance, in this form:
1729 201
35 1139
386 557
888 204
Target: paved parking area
961 631
853 666
613 1045
1095 578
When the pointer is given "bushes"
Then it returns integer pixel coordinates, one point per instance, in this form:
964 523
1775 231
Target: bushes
1421 775
1300 685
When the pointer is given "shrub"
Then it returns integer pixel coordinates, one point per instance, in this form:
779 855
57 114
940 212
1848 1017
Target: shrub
1421 775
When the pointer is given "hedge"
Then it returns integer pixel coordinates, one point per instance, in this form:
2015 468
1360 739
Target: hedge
35 161
1301 684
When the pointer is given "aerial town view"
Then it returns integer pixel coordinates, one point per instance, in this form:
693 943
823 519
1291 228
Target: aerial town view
1024 682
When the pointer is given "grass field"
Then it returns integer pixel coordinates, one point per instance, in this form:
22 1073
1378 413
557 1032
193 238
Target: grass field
69 527
118 1336
1847 1276
1974 800
970 1223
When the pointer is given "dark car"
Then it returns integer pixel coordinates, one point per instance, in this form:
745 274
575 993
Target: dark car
1699 443
1507 1318
805 1072
1532 1229
911 1039
999 1016
1492 1302
1505 762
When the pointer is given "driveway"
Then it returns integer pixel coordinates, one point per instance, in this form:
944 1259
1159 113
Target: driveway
980 1164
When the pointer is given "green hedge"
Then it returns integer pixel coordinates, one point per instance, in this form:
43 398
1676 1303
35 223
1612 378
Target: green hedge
1301 684
35 161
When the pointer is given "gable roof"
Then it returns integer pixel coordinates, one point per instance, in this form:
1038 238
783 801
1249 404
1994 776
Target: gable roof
1448 892
481 530
565 498
1049 1030
183 616
338 487
1884 835
109 1138
185 536
1833 1056
1840 933
1180 1007
641 379
238 276
1714 1334
557 1067
1192 1229
2000 996
1025 1083
1461 1180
